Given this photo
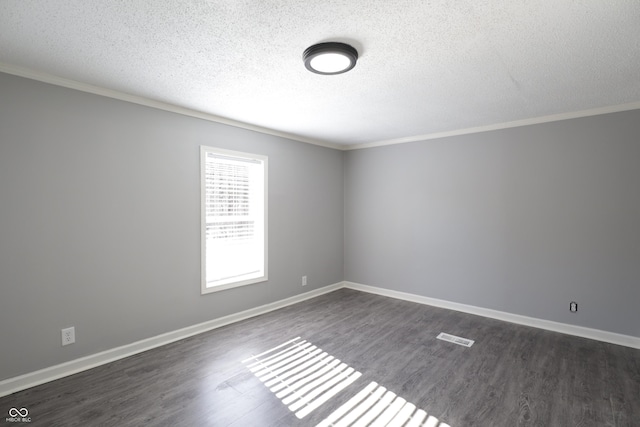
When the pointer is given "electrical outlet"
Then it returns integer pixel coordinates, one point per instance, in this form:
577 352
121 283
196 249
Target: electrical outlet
573 306
304 280
68 335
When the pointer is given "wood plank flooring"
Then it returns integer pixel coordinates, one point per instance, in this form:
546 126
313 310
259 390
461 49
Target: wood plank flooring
512 375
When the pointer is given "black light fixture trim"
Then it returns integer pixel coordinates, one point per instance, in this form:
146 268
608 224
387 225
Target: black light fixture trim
330 47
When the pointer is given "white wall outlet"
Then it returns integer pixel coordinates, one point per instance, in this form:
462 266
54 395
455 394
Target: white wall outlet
68 335
304 280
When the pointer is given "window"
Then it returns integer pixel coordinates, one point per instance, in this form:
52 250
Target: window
233 218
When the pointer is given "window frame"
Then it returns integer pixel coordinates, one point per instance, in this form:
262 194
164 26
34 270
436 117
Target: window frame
204 289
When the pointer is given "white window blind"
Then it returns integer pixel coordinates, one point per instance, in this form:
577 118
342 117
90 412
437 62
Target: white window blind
234 214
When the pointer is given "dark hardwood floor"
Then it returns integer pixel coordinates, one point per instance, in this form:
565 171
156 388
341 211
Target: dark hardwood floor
511 376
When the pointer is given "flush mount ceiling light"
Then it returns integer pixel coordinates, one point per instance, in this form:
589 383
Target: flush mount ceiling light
330 58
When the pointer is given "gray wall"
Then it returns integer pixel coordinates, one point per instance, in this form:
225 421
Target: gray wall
521 220
100 222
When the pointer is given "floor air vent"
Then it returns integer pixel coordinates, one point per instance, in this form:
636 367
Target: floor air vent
454 339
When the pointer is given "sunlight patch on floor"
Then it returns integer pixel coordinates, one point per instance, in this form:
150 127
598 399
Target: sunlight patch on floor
375 406
301 375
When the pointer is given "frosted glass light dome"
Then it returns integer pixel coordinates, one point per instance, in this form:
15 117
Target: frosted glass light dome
330 58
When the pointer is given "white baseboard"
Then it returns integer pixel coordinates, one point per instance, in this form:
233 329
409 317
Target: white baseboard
579 331
31 379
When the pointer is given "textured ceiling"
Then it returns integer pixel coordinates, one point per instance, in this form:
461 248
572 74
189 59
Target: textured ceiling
425 67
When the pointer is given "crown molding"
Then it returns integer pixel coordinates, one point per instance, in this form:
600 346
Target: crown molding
140 100
159 105
499 126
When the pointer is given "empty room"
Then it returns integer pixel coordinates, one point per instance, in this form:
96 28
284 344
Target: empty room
319 214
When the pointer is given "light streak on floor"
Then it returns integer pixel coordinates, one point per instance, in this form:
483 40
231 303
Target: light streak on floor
375 406
304 377
301 375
